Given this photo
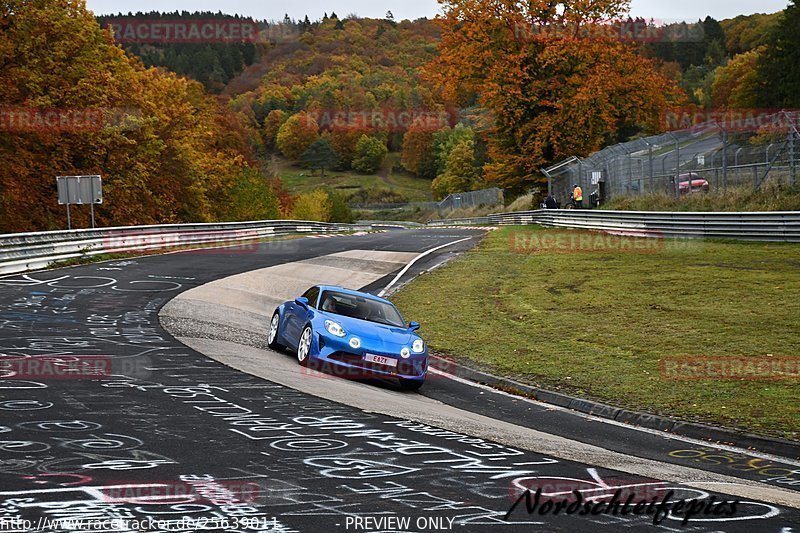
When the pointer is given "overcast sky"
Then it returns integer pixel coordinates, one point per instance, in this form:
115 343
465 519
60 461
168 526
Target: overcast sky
668 11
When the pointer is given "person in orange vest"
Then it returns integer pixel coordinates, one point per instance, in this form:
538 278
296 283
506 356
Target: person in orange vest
577 196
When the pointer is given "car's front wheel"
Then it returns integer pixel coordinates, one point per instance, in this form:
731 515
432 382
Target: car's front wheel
272 337
304 346
410 384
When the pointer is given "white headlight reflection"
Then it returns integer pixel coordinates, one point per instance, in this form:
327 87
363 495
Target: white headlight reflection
405 353
355 342
334 328
418 346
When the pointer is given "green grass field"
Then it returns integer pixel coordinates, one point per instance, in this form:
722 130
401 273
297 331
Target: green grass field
597 321
389 178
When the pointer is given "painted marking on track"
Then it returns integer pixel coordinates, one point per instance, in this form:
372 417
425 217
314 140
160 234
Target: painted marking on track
410 264
672 436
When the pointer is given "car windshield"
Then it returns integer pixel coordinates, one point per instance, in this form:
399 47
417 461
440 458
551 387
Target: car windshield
355 306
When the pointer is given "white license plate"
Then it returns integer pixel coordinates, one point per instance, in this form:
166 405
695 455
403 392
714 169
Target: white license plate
381 360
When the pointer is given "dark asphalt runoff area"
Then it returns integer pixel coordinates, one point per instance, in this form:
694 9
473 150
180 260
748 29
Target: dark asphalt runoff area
108 423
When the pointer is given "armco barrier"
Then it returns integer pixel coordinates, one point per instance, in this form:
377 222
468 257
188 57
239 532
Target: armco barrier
28 251
460 222
778 226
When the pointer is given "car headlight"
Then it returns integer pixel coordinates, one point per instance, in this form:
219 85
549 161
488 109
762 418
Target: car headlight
404 353
355 342
418 346
334 328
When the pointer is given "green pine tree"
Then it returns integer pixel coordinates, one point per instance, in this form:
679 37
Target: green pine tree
320 155
778 70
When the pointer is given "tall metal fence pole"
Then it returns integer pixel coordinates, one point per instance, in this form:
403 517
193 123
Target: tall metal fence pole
549 182
792 144
724 160
793 160
677 174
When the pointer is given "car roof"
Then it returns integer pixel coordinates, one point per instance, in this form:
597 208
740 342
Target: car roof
352 292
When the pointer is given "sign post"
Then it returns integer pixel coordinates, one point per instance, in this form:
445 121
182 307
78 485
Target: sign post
79 190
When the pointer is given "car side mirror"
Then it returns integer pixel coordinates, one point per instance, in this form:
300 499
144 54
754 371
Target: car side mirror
302 302
413 326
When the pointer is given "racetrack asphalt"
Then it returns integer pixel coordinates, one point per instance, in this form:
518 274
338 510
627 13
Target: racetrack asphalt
263 456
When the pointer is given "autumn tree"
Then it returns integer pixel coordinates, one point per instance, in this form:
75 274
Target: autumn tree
417 155
552 94
369 154
251 198
460 173
296 135
736 84
445 140
275 119
340 210
283 196
167 151
314 205
343 141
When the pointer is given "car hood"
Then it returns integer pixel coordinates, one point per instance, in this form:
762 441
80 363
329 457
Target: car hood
371 330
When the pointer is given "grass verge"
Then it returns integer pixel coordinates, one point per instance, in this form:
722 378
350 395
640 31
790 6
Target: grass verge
390 179
595 320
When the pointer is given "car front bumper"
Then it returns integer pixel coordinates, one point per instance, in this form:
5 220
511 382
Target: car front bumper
351 362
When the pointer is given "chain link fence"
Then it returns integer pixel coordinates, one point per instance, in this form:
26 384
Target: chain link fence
706 157
472 199
461 200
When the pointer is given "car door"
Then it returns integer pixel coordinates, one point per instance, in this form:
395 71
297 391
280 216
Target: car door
296 316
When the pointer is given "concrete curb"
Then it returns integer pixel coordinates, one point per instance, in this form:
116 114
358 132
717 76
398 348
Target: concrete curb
774 446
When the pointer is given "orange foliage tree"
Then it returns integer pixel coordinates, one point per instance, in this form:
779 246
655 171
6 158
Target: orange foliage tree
553 88
168 152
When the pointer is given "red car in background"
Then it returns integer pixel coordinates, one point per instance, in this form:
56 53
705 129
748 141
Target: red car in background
692 182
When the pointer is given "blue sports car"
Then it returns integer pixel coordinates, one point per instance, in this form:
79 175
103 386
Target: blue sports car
353 331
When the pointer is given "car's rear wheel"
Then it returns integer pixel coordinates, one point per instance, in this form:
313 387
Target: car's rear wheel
410 384
272 337
304 346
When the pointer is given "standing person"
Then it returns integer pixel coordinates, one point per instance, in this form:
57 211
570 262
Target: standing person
577 196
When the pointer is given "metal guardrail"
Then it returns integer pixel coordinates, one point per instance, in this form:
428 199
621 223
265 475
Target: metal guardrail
474 221
391 223
777 226
29 251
